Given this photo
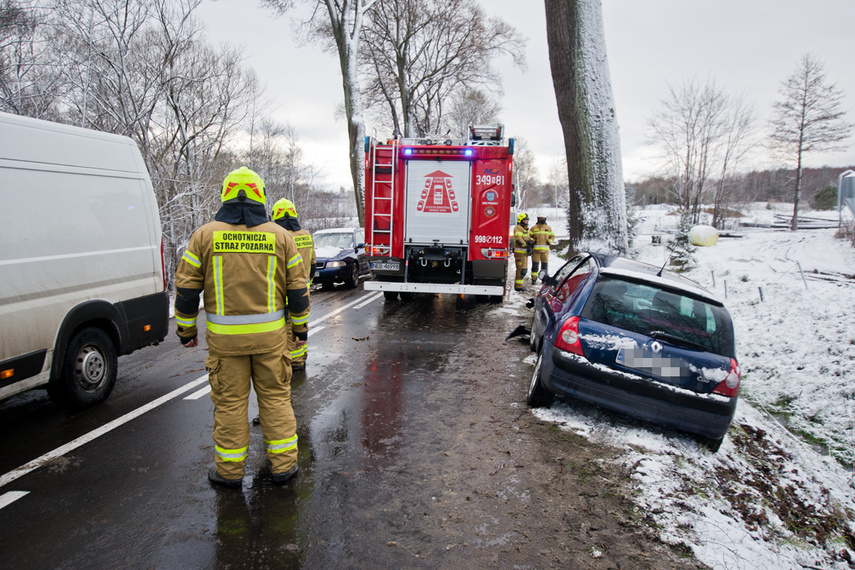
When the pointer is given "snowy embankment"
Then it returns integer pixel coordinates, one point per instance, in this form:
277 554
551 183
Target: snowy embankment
780 493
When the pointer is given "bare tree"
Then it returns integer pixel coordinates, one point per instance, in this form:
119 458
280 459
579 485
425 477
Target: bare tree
30 81
525 172
418 53
580 76
557 183
808 118
702 133
471 107
736 142
342 30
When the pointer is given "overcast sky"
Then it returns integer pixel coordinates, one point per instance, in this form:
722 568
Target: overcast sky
746 47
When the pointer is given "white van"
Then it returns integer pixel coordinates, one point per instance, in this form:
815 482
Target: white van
81 261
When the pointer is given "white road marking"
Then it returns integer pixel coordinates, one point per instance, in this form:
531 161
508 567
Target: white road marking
199 393
10 497
370 300
349 305
96 433
315 330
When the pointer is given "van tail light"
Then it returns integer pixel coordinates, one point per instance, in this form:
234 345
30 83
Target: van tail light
730 386
162 265
568 337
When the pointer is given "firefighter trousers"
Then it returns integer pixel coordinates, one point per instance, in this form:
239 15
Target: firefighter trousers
521 260
539 255
230 378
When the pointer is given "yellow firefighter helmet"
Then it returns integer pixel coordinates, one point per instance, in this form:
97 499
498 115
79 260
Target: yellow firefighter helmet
522 216
282 207
241 185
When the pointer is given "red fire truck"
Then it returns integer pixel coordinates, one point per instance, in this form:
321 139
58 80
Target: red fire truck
437 213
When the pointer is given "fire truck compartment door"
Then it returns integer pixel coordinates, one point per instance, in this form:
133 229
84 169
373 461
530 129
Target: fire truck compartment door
438 201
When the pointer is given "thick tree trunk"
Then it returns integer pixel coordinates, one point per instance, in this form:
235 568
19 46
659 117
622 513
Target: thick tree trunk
580 75
346 25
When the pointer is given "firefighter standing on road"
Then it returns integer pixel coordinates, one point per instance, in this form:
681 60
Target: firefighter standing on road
522 241
246 267
542 236
285 214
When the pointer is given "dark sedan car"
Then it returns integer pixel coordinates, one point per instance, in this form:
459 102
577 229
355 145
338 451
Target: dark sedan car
630 337
339 257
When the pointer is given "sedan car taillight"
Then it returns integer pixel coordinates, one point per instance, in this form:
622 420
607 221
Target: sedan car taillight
568 337
730 386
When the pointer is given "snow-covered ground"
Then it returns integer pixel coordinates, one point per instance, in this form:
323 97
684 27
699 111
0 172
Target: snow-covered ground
780 493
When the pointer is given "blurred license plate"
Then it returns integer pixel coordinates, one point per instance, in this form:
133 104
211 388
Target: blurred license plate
648 361
386 265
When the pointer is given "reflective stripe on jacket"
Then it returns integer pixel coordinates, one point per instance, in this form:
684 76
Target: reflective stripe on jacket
542 236
251 279
521 239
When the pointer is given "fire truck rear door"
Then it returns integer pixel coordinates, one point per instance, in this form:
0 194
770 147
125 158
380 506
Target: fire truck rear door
438 197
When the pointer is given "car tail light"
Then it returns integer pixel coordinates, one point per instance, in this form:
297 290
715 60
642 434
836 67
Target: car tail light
730 386
568 337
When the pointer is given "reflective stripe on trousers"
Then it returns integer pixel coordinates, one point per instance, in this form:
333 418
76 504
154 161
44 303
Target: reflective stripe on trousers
231 454
281 445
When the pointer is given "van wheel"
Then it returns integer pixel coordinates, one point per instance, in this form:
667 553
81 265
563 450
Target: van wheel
538 396
88 370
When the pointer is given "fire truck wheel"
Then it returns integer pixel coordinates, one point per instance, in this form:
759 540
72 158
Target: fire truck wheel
353 279
390 295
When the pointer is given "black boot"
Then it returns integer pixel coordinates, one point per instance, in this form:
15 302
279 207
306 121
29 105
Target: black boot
215 477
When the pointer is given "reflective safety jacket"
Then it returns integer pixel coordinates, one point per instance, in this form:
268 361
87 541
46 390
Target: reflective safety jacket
521 239
542 236
246 274
303 240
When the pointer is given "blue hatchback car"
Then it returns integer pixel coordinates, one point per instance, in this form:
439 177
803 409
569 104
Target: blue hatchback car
340 257
630 337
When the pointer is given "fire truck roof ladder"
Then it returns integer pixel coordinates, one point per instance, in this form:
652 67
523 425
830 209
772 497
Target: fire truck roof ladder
383 173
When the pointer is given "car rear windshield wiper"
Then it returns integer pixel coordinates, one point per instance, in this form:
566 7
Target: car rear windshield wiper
674 339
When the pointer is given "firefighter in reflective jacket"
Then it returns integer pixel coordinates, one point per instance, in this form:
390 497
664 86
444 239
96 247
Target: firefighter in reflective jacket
245 267
522 241
542 237
285 214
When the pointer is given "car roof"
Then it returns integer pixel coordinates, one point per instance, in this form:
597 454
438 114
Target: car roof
639 271
337 230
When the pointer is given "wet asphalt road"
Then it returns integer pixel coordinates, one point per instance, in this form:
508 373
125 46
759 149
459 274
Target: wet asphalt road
131 492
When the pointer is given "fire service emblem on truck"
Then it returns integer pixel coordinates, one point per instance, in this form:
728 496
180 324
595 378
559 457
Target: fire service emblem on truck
437 195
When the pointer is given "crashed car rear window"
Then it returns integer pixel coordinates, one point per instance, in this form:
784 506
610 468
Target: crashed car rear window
645 308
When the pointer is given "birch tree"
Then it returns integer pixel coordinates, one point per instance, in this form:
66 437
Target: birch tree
341 29
808 118
580 76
